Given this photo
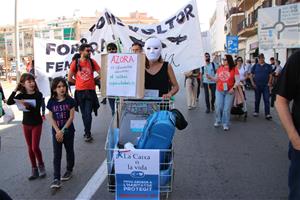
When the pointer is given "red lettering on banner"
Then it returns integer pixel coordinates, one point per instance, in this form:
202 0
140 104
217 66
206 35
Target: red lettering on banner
122 59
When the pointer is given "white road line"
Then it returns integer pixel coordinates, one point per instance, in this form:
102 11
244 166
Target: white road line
94 183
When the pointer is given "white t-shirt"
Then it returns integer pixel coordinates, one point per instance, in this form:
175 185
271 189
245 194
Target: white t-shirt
243 72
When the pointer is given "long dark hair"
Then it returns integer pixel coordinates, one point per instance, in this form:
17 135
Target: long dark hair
230 62
54 84
24 77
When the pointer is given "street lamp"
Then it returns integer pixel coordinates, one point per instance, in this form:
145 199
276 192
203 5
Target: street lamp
17 50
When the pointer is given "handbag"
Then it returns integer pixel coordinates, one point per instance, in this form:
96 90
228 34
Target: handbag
9 114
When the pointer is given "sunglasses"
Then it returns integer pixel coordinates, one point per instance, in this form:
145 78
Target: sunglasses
239 61
109 49
207 56
88 50
224 59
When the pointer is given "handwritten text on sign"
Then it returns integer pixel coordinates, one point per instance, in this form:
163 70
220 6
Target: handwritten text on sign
122 75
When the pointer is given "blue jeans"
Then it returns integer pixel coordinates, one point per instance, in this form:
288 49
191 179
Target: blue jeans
262 90
86 108
294 173
57 150
223 107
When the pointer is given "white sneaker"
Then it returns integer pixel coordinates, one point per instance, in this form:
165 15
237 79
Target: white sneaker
255 114
225 128
217 124
190 107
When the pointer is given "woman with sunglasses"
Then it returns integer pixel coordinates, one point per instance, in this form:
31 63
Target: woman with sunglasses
226 78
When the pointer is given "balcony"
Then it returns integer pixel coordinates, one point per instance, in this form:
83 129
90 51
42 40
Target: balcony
248 26
246 4
233 11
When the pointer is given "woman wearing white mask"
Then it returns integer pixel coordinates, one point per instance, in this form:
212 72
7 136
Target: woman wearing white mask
159 75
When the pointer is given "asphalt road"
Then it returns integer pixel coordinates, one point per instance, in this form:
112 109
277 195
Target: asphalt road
248 162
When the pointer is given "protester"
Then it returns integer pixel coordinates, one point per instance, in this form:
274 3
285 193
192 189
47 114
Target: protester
275 77
137 48
288 89
261 79
29 65
209 69
32 121
61 114
2 94
272 63
85 94
226 78
2 98
159 75
199 85
243 71
191 85
4 195
112 48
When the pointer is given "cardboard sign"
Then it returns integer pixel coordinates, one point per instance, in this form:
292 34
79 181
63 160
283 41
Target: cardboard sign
123 75
137 174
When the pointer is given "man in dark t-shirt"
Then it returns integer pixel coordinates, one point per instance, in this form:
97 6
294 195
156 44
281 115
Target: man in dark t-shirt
261 79
288 89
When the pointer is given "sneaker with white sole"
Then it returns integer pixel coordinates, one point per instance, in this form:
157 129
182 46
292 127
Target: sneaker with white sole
226 128
55 184
255 114
217 124
67 176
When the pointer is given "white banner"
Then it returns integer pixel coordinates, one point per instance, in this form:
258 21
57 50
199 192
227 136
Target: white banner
278 27
180 35
52 58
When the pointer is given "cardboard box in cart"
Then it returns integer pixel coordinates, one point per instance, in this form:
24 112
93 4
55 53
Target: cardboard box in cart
123 75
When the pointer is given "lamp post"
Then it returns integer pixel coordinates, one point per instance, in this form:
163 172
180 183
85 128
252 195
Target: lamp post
17 50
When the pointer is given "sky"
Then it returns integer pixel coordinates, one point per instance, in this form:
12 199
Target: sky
51 9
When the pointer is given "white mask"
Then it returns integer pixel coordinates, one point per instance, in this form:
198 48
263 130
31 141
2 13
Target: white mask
152 49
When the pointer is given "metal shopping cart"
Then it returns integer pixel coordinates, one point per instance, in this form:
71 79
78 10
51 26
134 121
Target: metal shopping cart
119 133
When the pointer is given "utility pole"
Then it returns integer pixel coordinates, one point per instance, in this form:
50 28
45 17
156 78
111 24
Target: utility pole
17 50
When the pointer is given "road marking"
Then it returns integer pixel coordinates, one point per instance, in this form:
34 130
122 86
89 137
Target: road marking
94 183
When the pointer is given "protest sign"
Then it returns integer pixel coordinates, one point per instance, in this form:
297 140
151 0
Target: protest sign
123 75
137 174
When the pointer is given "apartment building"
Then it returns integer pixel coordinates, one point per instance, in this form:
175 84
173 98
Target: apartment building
242 20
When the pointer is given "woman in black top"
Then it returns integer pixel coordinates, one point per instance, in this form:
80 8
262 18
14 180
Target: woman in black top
159 75
32 120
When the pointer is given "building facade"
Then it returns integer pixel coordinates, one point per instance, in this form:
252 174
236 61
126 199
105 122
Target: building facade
216 30
242 20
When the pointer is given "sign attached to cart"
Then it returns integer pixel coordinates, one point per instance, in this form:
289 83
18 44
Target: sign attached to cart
137 174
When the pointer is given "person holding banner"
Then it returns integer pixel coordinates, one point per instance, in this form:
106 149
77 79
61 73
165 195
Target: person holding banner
85 88
159 75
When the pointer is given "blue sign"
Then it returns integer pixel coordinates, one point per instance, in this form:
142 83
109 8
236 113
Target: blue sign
232 44
137 174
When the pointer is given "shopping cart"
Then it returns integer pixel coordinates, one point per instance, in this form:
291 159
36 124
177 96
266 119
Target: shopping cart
119 134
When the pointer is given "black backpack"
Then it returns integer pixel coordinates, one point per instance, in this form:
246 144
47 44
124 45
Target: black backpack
78 67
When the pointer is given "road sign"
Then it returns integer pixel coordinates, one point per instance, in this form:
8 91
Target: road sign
279 27
232 44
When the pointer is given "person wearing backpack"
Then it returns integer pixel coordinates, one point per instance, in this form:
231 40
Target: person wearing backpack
209 85
85 89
